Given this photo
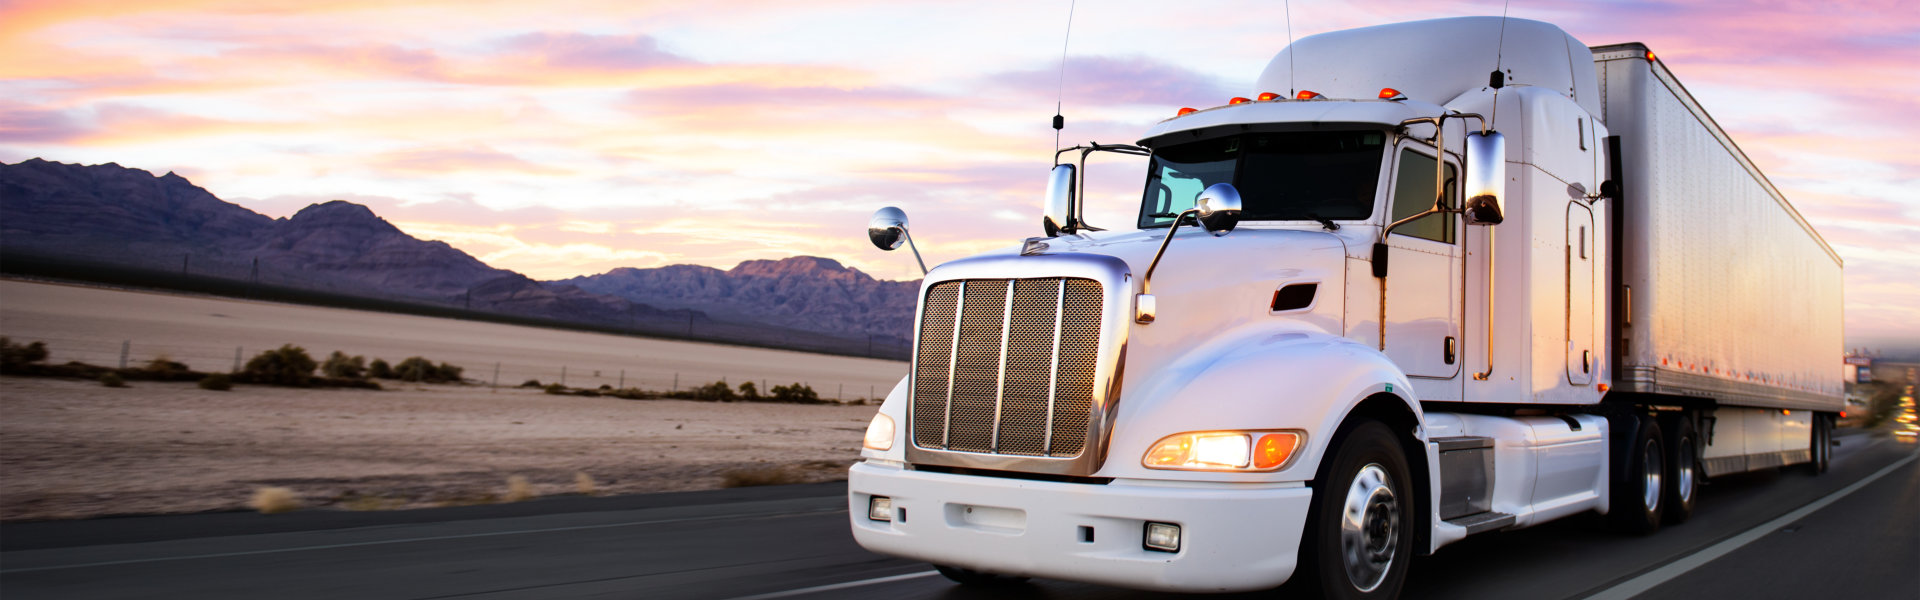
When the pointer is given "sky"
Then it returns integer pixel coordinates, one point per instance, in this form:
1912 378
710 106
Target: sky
565 138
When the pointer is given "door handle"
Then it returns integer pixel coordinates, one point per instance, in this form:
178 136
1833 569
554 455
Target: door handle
1448 349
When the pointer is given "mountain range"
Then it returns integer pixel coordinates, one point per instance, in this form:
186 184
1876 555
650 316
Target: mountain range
126 217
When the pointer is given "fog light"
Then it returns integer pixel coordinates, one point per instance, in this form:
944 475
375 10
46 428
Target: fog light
1164 537
880 508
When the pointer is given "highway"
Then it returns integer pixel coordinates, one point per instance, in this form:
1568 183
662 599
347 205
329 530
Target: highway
1851 533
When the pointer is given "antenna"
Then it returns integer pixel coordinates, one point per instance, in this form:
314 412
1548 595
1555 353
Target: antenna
1499 80
1060 93
1291 52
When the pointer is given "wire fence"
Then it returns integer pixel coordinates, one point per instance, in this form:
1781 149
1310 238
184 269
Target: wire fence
495 371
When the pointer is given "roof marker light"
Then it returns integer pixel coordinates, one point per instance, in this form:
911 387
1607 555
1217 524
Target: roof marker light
1650 56
1184 111
1237 100
1268 96
1307 95
1391 94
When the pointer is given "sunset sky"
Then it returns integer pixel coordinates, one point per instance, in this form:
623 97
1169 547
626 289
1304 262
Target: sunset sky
568 138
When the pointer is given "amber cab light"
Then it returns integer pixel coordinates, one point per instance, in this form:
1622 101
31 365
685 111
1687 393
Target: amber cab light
1391 94
1306 95
1650 56
1238 100
1230 451
1274 449
1185 111
1268 97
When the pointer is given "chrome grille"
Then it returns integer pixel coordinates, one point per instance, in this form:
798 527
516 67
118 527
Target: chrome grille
1006 366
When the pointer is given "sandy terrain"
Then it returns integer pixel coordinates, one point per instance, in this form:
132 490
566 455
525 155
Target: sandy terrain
90 324
73 448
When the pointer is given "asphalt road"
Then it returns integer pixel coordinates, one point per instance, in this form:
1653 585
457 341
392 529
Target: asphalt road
1851 533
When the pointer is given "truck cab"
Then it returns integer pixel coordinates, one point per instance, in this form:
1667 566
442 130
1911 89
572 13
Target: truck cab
1360 314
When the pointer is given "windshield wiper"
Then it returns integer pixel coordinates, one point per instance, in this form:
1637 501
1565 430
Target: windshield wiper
1325 222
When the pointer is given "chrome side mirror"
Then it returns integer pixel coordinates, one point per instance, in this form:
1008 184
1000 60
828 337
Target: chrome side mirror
1218 208
1057 215
1486 177
888 228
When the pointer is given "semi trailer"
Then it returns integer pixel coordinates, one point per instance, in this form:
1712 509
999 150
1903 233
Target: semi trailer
1428 280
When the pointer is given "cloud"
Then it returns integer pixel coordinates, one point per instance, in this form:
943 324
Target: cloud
575 50
448 160
1122 80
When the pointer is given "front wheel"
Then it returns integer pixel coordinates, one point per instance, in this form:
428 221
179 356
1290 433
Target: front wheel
1362 521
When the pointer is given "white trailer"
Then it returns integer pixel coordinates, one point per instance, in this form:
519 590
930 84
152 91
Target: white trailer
1310 359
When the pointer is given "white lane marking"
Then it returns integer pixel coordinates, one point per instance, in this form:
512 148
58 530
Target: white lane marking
408 540
1638 585
837 586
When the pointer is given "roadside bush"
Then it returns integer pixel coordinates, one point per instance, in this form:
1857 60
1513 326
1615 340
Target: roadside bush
419 369
796 393
717 391
341 366
556 389
13 355
380 369
748 391
218 382
287 365
162 367
531 383
112 380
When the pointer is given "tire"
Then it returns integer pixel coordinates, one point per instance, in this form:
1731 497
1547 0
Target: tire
1637 495
1367 555
979 579
1683 469
1821 454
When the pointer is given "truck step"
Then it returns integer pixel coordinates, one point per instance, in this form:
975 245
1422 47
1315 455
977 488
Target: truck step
1483 522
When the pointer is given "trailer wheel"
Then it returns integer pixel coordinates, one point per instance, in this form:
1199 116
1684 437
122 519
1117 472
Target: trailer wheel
1361 525
980 579
1682 469
1638 495
1822 451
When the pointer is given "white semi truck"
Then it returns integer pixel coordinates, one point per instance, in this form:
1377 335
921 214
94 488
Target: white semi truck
1302 362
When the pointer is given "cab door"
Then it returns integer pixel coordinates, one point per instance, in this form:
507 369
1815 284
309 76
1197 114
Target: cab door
1422 300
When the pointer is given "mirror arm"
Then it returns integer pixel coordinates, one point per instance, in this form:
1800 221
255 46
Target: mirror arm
916 251
1146 281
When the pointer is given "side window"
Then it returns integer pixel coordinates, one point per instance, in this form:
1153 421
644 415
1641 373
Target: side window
1413 193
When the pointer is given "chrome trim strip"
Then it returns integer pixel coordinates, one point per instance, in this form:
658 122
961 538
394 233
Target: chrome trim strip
1000 375
953 355
1053 365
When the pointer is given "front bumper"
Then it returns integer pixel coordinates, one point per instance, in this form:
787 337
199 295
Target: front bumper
1234 537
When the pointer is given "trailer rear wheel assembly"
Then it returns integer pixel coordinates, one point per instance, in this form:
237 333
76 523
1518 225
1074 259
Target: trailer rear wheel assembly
1361 528
1821 454
1682 468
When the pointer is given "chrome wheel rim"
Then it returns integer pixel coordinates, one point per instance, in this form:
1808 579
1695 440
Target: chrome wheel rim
1650 459
1683 476
1369 528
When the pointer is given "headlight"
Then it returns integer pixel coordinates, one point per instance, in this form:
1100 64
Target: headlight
879 433
1224 451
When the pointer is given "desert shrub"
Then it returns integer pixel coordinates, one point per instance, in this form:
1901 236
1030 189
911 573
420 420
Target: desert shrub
218 382
556 389
450 373
341 366
796 393
717 391
748 391
286 365
419 369
163 367
270 500
18 355
606 388
380 369
758 476
112 380
518 489
583 483
531 383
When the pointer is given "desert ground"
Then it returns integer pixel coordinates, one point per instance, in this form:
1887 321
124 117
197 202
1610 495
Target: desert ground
73 448
93 324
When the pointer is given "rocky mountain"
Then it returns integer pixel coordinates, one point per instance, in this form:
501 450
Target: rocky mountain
128 217
113 215
803 292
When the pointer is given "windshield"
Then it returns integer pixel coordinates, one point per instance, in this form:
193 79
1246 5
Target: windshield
1281 176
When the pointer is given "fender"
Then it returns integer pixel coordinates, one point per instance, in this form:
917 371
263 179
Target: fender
1256 378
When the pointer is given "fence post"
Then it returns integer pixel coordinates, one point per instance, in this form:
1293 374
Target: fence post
676 382
236 359
563 375
840 395
623 379
124 347
496 377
